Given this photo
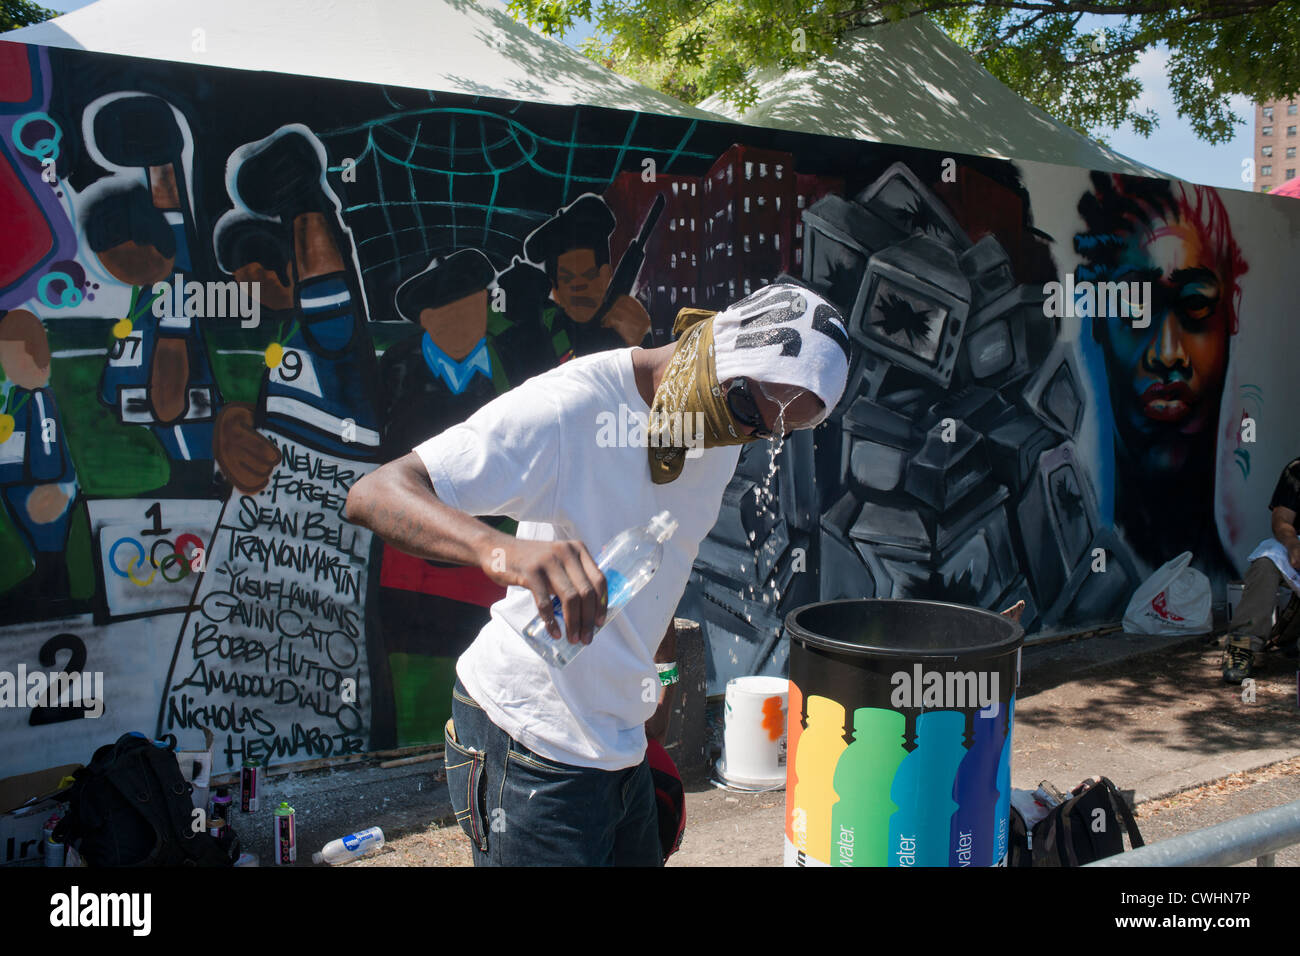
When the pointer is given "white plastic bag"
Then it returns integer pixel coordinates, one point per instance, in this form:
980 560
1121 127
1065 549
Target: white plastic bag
1174 600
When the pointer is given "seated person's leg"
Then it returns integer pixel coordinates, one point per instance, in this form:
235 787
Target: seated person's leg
1252 621
1287 630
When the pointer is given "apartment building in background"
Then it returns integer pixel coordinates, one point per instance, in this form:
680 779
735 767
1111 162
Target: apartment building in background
1276 140
756 200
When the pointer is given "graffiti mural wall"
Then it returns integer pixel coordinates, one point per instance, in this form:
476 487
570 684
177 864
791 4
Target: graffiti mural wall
225 296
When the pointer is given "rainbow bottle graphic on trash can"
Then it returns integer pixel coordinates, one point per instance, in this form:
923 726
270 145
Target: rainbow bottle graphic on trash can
820 745
864 777
900 752
981 796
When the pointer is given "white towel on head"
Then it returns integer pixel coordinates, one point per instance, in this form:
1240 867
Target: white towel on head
784 334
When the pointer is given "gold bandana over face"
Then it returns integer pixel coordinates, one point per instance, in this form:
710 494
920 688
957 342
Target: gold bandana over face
689 393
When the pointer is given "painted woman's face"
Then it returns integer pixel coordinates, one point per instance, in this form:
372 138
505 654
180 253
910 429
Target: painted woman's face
1166 379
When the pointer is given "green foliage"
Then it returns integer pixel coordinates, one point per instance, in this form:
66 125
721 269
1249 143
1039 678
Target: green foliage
21 13
81 568
112 459
238 376
416 681
1084 78
15 560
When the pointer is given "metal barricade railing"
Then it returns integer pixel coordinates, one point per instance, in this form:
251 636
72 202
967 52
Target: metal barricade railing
1259 835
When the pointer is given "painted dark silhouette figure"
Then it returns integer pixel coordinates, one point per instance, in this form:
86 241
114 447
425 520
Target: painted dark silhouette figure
38 482
429 612
573 250
452 367
321 385
158 373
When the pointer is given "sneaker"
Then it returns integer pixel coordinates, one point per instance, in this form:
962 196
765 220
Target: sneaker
1238 658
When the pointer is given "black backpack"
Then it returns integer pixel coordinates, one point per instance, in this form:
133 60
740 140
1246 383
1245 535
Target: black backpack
1089 826
670 798
131 807
1018 852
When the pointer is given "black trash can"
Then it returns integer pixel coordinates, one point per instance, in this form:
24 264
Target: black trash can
899 736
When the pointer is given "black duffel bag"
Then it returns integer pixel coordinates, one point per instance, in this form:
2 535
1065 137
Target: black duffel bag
130 806
1089 826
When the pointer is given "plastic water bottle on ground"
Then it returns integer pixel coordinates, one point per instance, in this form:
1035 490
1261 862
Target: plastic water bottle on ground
628 561
350 847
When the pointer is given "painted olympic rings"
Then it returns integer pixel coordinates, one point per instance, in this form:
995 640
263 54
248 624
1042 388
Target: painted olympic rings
167 565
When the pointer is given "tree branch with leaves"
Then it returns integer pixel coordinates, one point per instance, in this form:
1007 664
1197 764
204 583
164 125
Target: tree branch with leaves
22 13
1080 71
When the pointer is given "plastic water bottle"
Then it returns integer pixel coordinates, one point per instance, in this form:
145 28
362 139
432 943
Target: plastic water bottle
628 561
350 847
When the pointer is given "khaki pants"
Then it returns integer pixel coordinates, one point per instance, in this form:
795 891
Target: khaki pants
1254 614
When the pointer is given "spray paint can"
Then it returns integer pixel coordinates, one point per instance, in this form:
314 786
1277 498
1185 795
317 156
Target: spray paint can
286 839
250 784
55 852
221 805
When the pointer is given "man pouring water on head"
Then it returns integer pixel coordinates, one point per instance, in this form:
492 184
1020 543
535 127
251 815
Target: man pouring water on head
547 764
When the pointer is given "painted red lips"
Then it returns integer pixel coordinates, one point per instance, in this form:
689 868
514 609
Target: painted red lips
1167 402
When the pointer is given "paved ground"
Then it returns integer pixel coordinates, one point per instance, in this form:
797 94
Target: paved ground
1157 724
1153 715
1218 802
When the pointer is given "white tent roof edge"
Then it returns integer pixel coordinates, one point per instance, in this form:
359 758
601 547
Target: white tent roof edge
913 85
454 46
909 83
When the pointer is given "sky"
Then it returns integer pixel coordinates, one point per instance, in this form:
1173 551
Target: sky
1172 147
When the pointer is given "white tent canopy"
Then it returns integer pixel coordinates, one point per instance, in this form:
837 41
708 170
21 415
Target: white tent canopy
455 46
906 83
909 83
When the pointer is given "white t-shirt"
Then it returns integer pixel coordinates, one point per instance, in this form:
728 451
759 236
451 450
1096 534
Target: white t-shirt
548 454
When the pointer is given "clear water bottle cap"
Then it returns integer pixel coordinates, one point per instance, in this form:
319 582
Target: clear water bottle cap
662 526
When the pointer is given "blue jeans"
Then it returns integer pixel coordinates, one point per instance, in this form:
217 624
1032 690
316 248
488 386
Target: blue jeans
521 809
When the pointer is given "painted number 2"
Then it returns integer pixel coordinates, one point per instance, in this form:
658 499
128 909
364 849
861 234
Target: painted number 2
76 649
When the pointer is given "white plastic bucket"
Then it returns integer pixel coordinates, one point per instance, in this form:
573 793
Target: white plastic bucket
753 733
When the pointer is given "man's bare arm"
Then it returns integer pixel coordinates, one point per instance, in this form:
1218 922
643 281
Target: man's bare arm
398 503
1283 523
657 726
